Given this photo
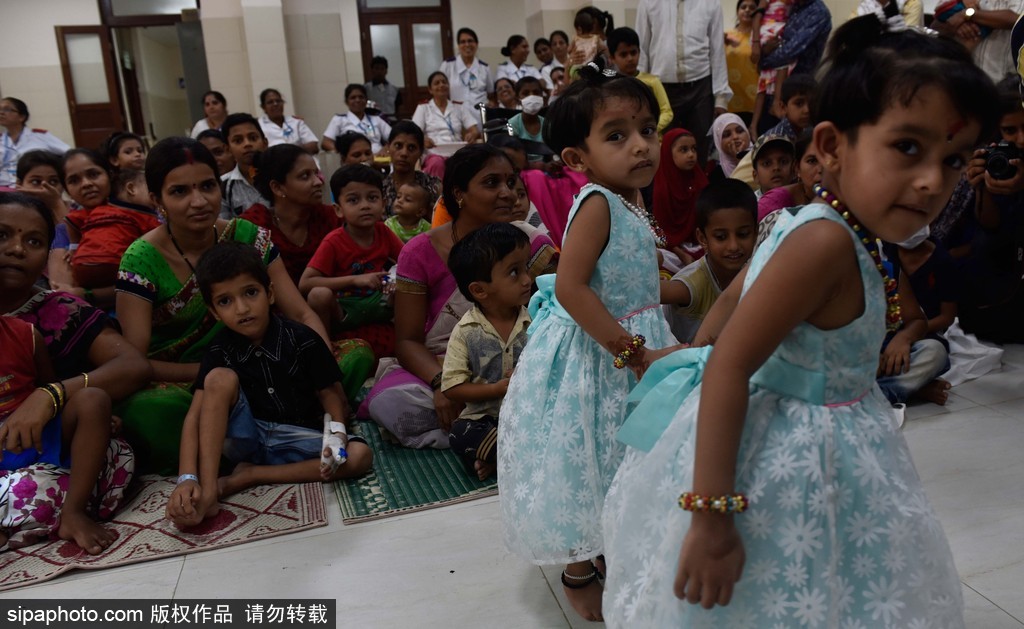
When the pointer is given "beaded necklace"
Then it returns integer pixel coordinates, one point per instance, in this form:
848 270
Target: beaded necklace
647 218
893 320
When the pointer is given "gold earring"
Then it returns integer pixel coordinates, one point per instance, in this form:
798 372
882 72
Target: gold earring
459 202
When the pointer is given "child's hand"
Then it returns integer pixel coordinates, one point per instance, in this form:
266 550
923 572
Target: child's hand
24 427
181 507
896 358
501 387
710 561
47 193
648 356
447 411
369 280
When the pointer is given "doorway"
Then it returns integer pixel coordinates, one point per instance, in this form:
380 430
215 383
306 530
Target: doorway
144 70
415 36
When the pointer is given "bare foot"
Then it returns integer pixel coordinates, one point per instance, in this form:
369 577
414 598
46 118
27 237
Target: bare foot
234 482
585 600
85 532
484 469
936 392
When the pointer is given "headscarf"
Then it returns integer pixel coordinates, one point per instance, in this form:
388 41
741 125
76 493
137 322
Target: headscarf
675 194
727 163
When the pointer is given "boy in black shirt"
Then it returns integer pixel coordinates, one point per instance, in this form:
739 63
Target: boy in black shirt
261 393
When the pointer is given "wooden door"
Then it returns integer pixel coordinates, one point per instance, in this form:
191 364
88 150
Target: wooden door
415 40
87 62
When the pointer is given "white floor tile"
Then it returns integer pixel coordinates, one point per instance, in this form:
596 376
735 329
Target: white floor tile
1013 355
981 613
1002 587
1000 386
920 410
441 568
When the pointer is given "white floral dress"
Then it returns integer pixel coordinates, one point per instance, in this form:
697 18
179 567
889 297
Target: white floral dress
839 534
557 451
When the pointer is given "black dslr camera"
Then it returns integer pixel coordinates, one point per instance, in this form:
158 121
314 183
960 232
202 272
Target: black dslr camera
997 160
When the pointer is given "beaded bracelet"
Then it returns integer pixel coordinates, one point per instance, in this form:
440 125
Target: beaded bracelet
623 357
736 503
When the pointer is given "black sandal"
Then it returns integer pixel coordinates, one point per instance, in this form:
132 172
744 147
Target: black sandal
578 583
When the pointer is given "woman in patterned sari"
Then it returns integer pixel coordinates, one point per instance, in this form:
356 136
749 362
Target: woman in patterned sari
158 301
479 184
84 349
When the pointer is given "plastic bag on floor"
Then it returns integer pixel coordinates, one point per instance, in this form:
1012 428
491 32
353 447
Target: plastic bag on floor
969 358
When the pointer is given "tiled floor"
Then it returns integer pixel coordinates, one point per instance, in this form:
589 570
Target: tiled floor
447 567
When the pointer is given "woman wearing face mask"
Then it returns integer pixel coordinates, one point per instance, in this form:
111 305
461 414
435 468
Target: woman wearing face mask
470 78
282 129
443 122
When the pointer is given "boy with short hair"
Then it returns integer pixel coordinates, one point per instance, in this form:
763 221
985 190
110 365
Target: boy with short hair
245 138
797 95
261 394
412 203
726 229
624 45
383 93
772 158
489 266
344 281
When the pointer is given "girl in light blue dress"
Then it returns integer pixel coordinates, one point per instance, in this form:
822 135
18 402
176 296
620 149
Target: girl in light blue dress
557 451
795 475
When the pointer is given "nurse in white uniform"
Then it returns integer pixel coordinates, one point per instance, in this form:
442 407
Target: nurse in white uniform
282 129
469 77
17 139
373 127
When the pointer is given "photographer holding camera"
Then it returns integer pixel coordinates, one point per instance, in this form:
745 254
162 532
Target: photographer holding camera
993 301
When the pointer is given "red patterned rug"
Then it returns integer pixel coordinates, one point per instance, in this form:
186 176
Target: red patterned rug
144 534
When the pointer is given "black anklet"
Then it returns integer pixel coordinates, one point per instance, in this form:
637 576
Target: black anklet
578 583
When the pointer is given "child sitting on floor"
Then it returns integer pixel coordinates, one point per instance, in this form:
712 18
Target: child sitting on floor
926 273
726 229
797 98
263 387
111 228
41 424
772 157
344 281
677 183
411 204
489 266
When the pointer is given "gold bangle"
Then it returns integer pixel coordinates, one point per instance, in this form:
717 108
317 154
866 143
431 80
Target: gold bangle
86 376
53 399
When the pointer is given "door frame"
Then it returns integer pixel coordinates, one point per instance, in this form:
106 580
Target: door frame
404 18
114 105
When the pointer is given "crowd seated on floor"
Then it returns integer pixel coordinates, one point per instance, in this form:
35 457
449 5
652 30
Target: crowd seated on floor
121 329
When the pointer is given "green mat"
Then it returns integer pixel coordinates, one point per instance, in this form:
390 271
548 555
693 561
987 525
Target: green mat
404 480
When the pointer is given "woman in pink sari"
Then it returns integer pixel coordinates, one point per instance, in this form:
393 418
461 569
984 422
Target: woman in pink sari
479 187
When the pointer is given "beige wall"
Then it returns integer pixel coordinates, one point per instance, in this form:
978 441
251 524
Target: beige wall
29 61
308 49
162 99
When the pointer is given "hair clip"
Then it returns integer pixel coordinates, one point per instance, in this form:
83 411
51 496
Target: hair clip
609 73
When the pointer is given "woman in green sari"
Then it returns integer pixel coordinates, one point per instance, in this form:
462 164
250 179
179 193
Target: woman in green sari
158 301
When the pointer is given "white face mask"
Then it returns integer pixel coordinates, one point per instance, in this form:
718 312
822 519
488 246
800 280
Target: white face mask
917 238
532 104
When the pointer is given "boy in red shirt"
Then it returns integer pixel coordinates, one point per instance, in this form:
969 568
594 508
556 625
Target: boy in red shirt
345 281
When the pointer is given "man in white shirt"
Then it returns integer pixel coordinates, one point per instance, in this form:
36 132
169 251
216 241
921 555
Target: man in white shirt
992 50
683 44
